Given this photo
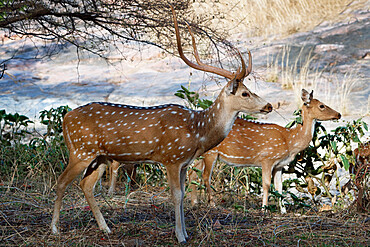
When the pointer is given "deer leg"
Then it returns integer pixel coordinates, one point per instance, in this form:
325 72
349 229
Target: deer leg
209 163
113 171
193 176
174 180
131 171
70 173
277 175
183 181
266 182
87 184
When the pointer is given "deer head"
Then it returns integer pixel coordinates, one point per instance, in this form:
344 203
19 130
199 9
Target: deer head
317 110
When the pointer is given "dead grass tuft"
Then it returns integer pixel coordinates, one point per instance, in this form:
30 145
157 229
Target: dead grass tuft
269 17
25 216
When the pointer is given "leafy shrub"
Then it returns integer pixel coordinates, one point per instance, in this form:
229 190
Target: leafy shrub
151 174
317 165
13 127
192 99
24 154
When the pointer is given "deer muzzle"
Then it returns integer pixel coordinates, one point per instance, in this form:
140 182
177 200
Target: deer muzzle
267 108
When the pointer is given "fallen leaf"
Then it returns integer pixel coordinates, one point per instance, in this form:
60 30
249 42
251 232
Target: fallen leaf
217 225
325 208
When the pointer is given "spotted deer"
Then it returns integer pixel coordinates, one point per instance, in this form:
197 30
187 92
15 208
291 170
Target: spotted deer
269 146
171 135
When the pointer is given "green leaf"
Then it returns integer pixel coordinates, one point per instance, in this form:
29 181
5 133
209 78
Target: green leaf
340 129
195 182
345 162
10 118
291 124
45 122
185 89
208 102
297 112
204 104
294 197
248 117
355 138
180 95
299 120
365 126
22 118
361 131
334 146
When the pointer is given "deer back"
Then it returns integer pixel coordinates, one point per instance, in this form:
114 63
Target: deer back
131 134
250 143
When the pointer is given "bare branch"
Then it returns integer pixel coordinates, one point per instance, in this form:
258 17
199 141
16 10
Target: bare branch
95 24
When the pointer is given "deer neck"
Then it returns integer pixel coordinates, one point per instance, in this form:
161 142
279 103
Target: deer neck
215 123
301 135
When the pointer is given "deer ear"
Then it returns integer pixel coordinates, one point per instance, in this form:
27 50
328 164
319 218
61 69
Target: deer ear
311 95
233 85
306 97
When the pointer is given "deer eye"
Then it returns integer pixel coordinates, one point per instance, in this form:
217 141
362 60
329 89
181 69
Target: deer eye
245 94
322 106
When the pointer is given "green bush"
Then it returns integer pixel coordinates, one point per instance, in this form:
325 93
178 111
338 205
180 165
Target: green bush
25 154
328 152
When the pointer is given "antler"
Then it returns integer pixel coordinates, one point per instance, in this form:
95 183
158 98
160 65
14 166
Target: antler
208 68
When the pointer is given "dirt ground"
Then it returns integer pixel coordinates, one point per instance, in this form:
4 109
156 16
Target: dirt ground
146 218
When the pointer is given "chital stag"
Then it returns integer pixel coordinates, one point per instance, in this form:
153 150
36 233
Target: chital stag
269 146
171 135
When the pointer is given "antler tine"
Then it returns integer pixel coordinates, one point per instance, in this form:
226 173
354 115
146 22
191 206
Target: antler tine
201 66
240 75
196 54
245 71
249 69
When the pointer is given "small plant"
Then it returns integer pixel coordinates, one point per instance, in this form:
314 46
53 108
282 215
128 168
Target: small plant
330 150
244 180
23 153
13 127
13 130
192 99
53 119
151 174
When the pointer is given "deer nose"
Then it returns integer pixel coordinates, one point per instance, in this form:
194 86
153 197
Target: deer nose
267 108
339 116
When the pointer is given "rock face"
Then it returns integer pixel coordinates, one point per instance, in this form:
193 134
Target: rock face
146 76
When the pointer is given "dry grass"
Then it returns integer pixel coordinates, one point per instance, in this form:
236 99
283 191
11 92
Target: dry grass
269 17
339 95
136 220
295 71
292 71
